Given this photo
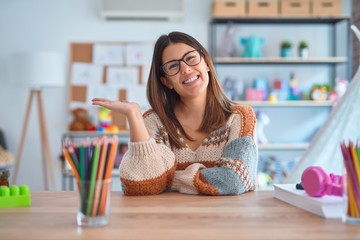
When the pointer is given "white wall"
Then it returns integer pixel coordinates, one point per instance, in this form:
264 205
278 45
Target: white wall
44 25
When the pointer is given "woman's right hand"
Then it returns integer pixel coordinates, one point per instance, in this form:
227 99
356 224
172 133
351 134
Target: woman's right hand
122 107
132 111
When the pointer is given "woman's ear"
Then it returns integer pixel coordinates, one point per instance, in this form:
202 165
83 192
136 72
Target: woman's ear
166 82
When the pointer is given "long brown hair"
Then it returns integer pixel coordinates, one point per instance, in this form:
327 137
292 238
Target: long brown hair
163 100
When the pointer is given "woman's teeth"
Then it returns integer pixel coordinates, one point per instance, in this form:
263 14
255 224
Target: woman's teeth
190 80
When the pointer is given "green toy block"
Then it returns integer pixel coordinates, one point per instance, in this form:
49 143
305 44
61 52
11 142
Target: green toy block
14 196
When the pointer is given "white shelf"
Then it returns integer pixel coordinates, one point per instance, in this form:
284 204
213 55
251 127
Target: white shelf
94 133
285 147
280 60
282 19
298 103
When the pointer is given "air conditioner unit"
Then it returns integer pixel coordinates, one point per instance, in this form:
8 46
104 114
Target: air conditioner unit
141 9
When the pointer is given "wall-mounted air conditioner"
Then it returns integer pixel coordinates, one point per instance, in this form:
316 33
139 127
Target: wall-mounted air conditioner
141 9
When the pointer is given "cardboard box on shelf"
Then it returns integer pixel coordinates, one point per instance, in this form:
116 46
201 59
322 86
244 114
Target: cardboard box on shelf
229 8
263 8
327 8
295 8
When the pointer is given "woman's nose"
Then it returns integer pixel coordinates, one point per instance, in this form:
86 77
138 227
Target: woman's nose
184 68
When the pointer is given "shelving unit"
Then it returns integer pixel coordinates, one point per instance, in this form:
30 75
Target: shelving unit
336 57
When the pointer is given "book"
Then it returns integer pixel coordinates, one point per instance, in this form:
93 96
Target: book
326 206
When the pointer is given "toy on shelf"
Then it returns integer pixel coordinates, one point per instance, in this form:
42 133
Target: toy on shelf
275 168
294 91
259 91
81 121
339 90
260 83
233 88
105 122
272 97
262 119
319 92
227 47
280 89
14 196
252 46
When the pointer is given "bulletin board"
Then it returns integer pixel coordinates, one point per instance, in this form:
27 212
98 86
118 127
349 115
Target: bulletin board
114 70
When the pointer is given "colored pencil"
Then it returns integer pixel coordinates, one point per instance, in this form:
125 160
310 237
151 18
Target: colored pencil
92 163
100 173
108 172
93 177
71 163
352 166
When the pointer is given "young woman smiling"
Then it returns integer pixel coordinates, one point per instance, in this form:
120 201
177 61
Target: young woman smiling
194 139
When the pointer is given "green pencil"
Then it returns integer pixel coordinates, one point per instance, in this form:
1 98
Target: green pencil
82 176
93 177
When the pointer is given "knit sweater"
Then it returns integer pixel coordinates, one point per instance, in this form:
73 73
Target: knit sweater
224 164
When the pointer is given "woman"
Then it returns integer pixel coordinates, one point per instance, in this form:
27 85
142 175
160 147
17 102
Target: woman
194 140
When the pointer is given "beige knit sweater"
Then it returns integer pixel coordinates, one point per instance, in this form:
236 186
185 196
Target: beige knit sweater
224 164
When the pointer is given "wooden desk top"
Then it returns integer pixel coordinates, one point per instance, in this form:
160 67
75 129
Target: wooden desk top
254 215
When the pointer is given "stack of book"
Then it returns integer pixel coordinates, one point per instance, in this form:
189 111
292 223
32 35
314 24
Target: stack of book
326 206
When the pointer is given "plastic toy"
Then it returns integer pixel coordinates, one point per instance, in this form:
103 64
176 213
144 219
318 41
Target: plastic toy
105 117
280 89
253 94
233 88
319 93
340 87
14 196
227 47
294 91
105 122
252 46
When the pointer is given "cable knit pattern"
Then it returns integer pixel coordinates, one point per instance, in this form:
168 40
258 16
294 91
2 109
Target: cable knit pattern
224 164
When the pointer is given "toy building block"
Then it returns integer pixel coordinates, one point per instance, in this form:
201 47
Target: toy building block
14 196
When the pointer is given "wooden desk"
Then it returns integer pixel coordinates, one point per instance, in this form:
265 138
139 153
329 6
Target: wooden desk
172 216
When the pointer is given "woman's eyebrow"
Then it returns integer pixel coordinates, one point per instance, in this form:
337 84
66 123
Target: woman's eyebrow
178 59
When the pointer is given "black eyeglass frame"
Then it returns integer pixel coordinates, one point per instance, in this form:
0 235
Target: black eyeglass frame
183 60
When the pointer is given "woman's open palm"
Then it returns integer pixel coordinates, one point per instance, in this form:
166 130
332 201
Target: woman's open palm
122 107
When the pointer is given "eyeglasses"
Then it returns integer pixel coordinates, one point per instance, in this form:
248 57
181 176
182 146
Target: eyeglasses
172 67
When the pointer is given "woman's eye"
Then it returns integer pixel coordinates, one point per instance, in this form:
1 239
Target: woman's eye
173 65
189 58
